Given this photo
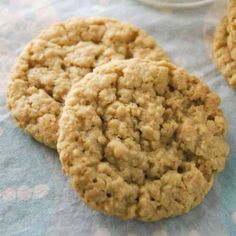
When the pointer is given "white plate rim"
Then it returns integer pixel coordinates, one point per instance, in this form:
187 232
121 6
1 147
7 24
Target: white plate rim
157 3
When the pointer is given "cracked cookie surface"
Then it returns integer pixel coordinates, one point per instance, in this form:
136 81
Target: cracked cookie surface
142 139
231 28
222 53
60 56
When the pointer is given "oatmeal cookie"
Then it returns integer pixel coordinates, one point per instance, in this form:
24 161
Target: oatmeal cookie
142 139
231 28
59 57
222 53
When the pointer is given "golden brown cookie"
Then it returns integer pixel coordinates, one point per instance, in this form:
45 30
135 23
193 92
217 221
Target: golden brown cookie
142 139
231 28
222 53
62 55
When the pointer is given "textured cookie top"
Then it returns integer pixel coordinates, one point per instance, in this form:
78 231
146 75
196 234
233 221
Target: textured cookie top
62 55
231 28
142 139
222 53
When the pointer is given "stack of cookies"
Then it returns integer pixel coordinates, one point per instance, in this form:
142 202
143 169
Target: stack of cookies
225 45
138 136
